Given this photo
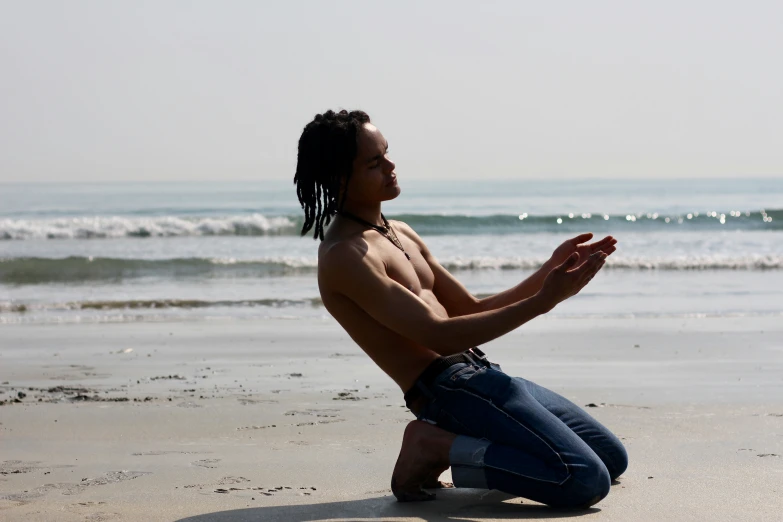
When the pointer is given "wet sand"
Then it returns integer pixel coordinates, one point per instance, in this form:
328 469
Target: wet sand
289 421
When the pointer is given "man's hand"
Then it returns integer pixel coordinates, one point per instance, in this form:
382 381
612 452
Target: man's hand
565 280
578 245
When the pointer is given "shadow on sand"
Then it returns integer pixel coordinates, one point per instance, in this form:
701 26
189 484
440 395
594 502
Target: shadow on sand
452 505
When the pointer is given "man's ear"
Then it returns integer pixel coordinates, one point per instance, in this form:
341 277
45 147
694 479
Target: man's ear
341 191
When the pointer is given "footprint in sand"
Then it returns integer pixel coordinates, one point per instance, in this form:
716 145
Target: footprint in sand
145 453
206 463
101 517
11 467
74 489
267 491
323 412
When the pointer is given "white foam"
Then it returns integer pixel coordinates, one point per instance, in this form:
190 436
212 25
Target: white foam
161 226
717 262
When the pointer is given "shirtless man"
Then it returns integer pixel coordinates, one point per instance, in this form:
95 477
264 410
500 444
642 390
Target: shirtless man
422 327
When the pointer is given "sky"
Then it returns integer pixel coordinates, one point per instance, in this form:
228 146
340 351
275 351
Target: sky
96 91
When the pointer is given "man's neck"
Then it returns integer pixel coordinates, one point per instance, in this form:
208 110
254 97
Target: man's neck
370 213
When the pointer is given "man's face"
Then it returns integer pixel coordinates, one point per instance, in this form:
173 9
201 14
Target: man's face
373 178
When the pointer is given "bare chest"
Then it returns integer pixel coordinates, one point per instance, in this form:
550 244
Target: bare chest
414 274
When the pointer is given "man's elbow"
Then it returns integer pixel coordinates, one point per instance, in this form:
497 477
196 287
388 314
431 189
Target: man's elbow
446 337
470 306
435 334
476 305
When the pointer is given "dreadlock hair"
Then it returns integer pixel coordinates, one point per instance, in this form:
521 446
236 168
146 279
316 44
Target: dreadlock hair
327 149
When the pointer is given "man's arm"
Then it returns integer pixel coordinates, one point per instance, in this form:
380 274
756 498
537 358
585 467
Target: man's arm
459 301
523 290
532 284
361 277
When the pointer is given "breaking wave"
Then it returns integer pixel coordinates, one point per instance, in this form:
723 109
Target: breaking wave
36 270
154 304
108 227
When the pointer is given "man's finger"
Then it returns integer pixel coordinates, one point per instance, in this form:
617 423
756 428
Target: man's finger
570 262
585 267
608 240
593 257
588 276
581 238
595 263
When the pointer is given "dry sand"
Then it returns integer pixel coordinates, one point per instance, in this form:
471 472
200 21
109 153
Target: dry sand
288 421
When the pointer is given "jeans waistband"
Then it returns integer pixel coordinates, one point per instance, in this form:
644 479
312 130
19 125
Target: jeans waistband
436 367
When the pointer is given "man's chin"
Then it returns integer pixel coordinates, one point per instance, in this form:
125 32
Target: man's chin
398 191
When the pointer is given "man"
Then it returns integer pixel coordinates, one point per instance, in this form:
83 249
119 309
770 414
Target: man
422 327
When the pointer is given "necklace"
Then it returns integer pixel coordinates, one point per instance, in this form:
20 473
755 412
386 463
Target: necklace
385 230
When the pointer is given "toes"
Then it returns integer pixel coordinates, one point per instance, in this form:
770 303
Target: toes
437 484
432 482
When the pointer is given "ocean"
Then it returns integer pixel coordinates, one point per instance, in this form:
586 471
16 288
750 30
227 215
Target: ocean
126 252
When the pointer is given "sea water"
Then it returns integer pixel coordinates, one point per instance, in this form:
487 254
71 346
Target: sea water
197 251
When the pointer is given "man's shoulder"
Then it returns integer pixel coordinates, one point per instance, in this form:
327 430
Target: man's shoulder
408 231
405 228
344 255
400 224
345 266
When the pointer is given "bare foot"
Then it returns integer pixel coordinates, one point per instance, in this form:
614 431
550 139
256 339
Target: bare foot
433 482
425 449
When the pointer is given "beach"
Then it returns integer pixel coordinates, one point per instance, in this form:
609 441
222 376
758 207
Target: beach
287 420
165 355
169 172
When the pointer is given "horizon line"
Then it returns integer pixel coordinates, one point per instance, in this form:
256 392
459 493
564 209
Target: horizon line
452 180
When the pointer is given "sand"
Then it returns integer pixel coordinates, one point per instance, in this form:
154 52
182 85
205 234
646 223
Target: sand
287 420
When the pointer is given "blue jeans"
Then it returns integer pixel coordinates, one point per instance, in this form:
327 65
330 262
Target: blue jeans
520 438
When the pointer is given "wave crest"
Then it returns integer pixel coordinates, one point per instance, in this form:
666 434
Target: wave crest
36 270
107 227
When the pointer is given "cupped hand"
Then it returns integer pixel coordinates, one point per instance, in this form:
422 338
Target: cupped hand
570 277
579 245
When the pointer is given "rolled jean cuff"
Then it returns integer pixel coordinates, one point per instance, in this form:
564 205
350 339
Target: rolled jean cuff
467 462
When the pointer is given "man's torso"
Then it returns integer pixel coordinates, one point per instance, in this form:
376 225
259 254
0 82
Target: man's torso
401 358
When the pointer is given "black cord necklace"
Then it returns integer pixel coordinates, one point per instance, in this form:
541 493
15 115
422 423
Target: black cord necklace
385 230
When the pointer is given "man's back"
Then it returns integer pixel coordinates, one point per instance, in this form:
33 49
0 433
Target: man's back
400 357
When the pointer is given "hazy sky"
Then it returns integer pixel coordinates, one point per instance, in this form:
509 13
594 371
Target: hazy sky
164 90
